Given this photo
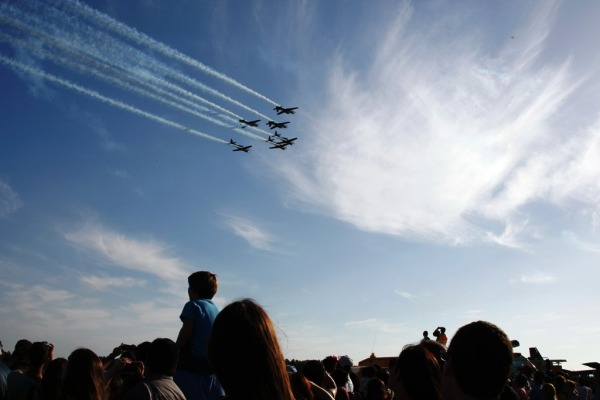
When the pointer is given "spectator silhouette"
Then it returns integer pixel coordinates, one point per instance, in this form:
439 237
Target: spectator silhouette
83 378
479 362
353 384
243 332
194 375
440 335
51 381
20 383
161 361
4 371
416 375
320 380
376 390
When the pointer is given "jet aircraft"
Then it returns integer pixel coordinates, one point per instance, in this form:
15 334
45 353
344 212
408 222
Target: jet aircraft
277 145
283 142
238 147
249 123
283 139
277 125
282 110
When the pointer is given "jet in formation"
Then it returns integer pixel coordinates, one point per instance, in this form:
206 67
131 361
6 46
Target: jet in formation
239 147
249 123
282 143
277 125
282 110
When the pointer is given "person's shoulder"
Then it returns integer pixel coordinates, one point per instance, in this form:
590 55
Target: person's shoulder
206 304
139 391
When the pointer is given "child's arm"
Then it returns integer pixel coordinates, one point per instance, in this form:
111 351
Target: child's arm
185 334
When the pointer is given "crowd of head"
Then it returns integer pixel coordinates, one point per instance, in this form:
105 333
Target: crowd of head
206 362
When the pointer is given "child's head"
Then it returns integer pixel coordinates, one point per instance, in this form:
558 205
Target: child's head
202 285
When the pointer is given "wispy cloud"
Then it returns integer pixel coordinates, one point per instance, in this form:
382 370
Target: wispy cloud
538 279
443 134
251 232
105 282
378 325
148 256
511 236
406 295
9 200
573 238
120 173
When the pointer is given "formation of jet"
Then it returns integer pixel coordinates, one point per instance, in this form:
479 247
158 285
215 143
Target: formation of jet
282 143
277 125
277 141
249 123
282 110
239 147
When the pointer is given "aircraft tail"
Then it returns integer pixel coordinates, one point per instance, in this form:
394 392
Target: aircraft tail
535 354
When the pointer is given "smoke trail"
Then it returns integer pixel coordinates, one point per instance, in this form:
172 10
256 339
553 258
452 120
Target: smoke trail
75 54
110 79
83 53
95 95
142 39
83 37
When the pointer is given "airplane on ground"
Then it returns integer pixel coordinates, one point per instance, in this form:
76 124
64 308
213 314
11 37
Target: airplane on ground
238 147
277 125
282 110
250 123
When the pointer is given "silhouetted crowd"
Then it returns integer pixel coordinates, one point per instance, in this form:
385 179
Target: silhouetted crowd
234 354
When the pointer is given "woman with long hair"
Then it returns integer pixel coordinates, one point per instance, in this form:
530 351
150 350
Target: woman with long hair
243 334
83 377
417 374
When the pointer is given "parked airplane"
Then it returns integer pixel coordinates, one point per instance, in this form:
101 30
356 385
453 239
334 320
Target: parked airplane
281 110
250 123
277 125
238 147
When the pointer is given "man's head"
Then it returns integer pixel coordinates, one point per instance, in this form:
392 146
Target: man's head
19 356
479 362
162 357
39 354
202 285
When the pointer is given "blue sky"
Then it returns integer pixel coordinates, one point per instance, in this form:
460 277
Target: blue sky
446 170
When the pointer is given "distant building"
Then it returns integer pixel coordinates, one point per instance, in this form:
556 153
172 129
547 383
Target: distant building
381 361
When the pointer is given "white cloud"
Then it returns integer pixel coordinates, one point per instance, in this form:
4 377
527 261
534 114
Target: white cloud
9 200
573 238
443 135
510 237
148 256
538 279
406 295
249 230
105 282
376 325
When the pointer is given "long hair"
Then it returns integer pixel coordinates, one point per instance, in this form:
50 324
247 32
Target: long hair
419 373
52 380
243 335
83 378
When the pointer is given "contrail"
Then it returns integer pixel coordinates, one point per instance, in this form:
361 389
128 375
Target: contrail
85 58
83 67
93 94
110 79
142 39
100 45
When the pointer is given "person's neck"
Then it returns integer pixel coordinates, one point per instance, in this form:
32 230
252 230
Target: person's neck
35 373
